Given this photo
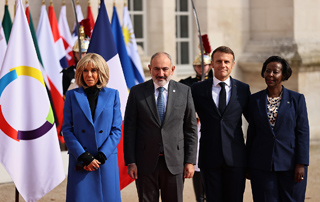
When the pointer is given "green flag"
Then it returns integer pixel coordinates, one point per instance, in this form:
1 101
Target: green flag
6 22
33 33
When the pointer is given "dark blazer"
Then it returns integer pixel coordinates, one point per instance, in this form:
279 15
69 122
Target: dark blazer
221 134
144 135
67 76
288 143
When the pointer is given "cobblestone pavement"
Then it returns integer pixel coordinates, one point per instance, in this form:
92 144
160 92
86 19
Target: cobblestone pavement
129 194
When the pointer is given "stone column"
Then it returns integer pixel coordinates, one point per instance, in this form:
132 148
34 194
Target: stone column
161 27
226 23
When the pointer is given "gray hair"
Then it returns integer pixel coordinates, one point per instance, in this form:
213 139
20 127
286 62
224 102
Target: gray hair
159 53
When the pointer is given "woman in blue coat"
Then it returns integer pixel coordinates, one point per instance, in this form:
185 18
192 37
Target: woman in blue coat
278 138
92 130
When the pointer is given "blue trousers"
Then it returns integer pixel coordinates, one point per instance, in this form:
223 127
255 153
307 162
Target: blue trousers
277 186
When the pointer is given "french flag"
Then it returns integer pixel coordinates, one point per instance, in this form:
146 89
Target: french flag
102 43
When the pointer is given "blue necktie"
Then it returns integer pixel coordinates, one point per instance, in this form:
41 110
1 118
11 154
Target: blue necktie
160 103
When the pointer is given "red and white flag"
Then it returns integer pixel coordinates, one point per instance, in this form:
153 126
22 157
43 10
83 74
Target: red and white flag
51 63
90 16
29 147
58 41
66 35
60 52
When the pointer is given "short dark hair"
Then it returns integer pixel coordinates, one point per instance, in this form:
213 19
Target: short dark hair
286 69
223 49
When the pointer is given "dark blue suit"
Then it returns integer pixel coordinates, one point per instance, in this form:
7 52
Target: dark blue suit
274 153
222 154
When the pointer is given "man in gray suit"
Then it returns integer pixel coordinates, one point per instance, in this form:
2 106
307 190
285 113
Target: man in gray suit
160 133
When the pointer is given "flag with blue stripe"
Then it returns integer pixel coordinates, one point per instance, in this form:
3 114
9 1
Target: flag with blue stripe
122 50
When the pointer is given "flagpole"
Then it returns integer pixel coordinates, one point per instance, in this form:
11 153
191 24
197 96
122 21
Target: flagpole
200 39
17 195
77 25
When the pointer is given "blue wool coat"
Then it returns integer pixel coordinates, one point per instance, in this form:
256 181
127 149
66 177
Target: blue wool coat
103 134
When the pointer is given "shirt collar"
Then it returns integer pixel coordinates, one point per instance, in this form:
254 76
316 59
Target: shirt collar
156 86
217 81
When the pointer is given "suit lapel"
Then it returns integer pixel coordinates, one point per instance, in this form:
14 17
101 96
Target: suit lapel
150 99
83 103
208 94
233 95
262 109
284 104
170 102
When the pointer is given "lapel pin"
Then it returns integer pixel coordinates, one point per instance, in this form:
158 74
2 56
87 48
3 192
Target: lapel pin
288 102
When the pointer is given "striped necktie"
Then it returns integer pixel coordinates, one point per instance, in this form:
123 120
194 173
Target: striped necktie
160 103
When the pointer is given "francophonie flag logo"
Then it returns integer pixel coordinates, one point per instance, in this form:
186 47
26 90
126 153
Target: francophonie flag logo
46 119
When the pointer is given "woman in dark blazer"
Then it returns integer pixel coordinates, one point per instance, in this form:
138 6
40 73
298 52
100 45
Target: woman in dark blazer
92 130
278 138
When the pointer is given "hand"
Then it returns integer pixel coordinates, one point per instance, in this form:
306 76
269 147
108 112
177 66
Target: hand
132 171
94 165
299 173
188 170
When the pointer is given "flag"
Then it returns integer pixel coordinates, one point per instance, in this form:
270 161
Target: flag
6 22
80 18
58 42
90 16
131 45
102 42
66 35
51 63
29 148
44 74
3 45
122 50
34 37
60 52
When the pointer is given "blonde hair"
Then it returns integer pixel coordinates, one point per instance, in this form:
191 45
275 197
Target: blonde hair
98 62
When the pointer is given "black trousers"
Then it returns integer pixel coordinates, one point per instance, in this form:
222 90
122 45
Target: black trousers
198 187
160 183
224 183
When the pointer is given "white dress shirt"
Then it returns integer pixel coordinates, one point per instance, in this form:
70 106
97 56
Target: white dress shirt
216 88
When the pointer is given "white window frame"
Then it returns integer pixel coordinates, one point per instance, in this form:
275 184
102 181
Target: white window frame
144 23
185 70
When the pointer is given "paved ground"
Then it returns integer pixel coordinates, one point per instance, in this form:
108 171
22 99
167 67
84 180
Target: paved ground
128 194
